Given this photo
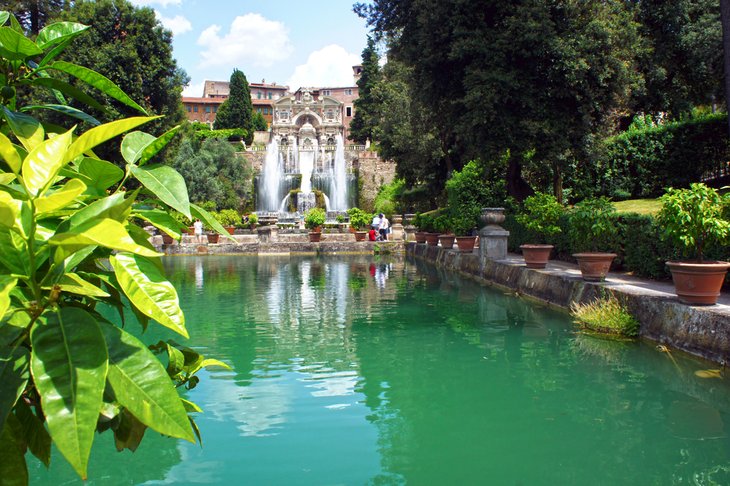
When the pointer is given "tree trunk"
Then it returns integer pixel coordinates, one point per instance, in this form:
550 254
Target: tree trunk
516 185
725 21
557 182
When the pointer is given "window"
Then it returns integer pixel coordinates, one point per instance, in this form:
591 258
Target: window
258 110
348 111
189 108
207 109
326 92
195 109
348 92
258 94
269 94
215 109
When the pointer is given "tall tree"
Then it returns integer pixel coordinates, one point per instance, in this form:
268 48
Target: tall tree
365 120
33 15
725 19
237 110
129 46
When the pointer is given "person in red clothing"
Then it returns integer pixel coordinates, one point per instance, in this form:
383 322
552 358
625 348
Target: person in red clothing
372 234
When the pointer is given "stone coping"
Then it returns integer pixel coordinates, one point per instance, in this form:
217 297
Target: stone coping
702 331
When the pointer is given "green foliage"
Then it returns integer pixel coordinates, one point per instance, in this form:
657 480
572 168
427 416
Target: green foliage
237 110
388 200
258 122
607 316
541 216
693 218
230 134
359 219
593 225
641 163
468 192
427 221
69 256
253 220
314 218
228 217
363 124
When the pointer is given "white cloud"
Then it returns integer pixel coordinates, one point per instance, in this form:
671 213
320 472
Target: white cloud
251 40
147 3
177 24
330 66
194 90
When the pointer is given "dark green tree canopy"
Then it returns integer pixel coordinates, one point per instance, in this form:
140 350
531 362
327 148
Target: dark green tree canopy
366 118
237 110
35 14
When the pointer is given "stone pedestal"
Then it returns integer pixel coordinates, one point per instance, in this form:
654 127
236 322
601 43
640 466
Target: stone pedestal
397 233
409 233
268 234
492 237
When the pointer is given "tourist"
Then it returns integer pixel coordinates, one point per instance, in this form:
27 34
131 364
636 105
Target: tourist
198 230
376 222
372 234
384 227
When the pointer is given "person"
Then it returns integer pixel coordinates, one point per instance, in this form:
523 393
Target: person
198 230
384 227
372 234
376 222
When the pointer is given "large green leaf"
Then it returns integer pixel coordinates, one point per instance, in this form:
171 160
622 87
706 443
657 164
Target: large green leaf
142 386
98 81
66 110
14 253
16 46
133 145
73 283
14 375
149 290
129 433
42 164
60 198
69 367
7 284
58 32
9 210
160 142
9 154
4 16
97 135
102 174
209 220
106 232
161 220
116 207
34 433
165 183
13 470
26 128
68 90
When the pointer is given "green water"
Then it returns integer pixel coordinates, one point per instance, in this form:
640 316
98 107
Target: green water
357 371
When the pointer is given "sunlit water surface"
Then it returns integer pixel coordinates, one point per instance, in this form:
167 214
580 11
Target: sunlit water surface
354 370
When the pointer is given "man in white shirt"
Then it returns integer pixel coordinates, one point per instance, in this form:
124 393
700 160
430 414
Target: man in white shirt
384 227
376 222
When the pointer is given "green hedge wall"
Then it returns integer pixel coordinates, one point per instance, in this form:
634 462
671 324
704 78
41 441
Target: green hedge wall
641 163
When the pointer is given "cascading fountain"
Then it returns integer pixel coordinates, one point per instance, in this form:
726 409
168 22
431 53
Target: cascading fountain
272 176
338 185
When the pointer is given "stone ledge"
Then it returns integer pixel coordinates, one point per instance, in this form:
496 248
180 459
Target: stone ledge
699 330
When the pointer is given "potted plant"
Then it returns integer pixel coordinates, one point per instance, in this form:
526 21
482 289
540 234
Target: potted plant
592 228
540 216
693 218
253 220
419 221
442 225
229 219
360 220
313 221
463 226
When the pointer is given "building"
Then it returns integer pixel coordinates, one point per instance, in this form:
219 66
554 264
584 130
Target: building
345 95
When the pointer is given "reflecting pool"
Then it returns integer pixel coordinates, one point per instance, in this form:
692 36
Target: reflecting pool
358 370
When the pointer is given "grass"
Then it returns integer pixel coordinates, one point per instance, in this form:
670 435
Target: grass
640 206
606 316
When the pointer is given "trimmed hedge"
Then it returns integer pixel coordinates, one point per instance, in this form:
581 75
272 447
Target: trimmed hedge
641 163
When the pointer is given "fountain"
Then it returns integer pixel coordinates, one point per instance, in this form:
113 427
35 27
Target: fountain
305 162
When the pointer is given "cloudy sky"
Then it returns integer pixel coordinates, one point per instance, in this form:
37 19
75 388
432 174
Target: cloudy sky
298 43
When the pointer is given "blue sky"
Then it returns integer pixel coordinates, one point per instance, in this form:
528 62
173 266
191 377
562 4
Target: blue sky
299 43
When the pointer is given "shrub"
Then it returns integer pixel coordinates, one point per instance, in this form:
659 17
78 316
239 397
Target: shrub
541 215
467 193
388 201
593 226
607 316
359 219
314 218
228 217
253 220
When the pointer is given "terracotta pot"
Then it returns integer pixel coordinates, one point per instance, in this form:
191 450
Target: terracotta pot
213 237
360 235
466 243
432 239
594 266
536 256
420 236
315 236
352 229
230 229
447 241
698 283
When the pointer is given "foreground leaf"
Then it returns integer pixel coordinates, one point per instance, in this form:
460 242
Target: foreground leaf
165 183
34 433
61 198
26 128
107 233
7 284
13 470
148 289
69 367
98 135
142 386
44 161
14 375
9 154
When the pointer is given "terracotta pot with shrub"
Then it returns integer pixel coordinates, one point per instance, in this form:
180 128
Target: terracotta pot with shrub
360 221
464 225
540 216
313 221
592 228
694 219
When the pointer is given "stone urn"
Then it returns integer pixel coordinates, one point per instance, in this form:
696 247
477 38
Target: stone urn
397 219
492 216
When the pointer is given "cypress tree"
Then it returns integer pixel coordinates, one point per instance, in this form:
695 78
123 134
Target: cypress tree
366 116
236 111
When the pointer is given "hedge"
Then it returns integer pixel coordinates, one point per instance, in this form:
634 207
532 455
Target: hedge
641 163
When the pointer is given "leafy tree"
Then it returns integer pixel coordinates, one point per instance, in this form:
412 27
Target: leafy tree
34 14
725 19
237 110
258 122
366 117
130 47
69 254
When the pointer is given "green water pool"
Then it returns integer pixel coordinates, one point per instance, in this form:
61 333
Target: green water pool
358 370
